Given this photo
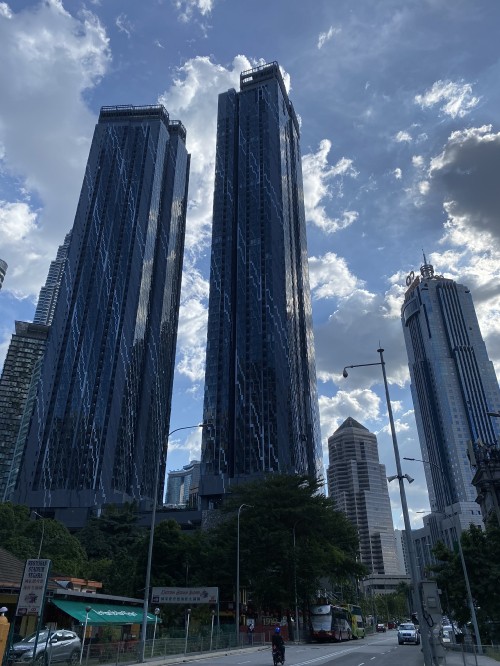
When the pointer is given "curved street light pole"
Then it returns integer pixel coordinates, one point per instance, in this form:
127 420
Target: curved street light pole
237 614
152 535
43 532
462 561
426 645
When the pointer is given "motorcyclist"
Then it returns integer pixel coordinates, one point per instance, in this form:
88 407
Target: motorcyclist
278 642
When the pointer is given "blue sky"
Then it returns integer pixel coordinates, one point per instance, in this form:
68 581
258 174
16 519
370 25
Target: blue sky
398 102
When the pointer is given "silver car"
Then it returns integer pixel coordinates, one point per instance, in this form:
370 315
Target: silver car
51 646
408 633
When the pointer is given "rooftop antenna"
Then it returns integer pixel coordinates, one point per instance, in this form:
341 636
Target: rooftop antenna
426 270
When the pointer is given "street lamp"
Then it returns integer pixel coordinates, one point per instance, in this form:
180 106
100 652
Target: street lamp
212 630
43 532
152 536
295 584
426 646
238 575
462 561
188 615
87 611
157 612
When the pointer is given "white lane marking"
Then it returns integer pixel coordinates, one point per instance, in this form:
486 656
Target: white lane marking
331 655
243 662
373 658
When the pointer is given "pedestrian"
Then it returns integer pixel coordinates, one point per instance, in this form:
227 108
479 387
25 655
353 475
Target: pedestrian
250 630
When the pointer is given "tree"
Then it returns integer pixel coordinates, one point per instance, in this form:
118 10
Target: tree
481 550
283 507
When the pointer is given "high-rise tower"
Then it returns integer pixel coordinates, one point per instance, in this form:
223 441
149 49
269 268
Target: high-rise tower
103 402
357 483
260 381
21 373
453 383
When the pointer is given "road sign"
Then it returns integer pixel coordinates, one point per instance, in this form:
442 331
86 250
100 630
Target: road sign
32 594
185 595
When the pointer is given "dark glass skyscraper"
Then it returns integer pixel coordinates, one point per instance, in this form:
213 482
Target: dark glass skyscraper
453 384
260 381
103 402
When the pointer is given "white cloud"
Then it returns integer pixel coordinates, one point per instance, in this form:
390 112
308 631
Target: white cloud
397 173
417 161
49 58
124 25
402 137
423 187
320 182
5 10
330 277
456 99
326 36
187 8
17 221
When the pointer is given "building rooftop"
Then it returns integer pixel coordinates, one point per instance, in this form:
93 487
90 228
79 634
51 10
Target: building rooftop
351 423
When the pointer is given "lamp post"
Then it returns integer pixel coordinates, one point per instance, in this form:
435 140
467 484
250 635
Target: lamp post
297 630
212 630
157 612
188 615
237 615
152 535
426 646
43 532
87 611
462 561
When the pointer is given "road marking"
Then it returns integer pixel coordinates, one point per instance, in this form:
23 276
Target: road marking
331 655
244 662
373 658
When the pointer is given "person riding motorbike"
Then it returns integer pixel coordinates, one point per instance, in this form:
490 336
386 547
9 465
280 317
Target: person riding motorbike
278 642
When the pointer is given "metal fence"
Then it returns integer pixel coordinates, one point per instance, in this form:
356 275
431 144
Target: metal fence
128 652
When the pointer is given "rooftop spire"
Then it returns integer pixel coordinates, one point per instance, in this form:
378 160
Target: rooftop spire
426 270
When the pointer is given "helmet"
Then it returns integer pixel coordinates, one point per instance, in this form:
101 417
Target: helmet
277 630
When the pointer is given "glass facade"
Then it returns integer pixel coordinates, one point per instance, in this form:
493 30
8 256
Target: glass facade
453 383
103 402
3 270
260 381
358 485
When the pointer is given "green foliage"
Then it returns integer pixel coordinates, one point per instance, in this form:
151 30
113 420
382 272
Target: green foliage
481 549
283 509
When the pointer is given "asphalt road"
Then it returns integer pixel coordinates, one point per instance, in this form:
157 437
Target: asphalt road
377 650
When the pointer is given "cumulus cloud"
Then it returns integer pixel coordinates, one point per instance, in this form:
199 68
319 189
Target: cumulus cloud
397 173
192 98
330 277
361 404
467 172
455 98
321 182
326 36
187 8
49 58
402 137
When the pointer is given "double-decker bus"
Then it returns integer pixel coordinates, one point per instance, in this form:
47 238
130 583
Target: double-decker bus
356 619
330 623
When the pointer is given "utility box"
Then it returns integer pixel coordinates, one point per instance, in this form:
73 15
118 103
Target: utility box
433 617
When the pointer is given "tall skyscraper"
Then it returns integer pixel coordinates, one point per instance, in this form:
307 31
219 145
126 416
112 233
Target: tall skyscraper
453 383
103 401
357 483
3 270
21 373
25 350
260 381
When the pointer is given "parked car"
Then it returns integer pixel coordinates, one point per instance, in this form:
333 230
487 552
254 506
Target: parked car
53 646
408 633
381 627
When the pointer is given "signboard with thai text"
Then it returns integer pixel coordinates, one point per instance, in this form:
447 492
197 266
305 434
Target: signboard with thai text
33 586
185 595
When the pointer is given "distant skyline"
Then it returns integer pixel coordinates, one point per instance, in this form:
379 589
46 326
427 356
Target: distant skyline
398 103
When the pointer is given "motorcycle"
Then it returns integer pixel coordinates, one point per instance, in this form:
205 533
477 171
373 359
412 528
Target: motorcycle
277 656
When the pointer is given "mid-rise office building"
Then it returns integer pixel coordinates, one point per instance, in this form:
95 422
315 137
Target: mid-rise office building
3 270
357 483
21 373
453 384
102 410
260 381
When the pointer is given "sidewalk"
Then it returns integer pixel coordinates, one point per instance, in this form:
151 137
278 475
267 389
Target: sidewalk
455 658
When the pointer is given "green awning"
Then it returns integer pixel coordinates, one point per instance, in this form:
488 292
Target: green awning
102 613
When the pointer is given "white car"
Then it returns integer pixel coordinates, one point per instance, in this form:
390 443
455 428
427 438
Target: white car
408 633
